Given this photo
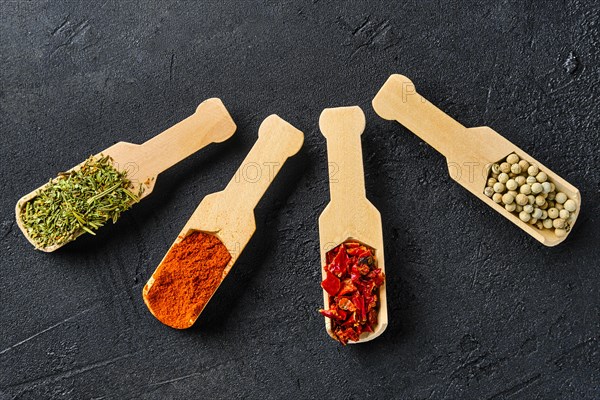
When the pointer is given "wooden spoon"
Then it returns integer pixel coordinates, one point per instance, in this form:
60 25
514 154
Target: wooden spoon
211 123
229 214
470 152
349 215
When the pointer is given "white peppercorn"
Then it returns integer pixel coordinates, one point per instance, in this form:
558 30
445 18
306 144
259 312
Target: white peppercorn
508 198
560 232
546 187
570 205
503 178
513 192
511 207
505 167
511 184
533 170
531 199
552 187
559 206
559 223
521 199
512 158
536 188
553 213
544 214
531 180
519 208
541 177
540 200
547 223
521 180
564 214
539 224
498 187
525 189
537 213
495 169
533 221
524 216
561 197
528 208
491 181
524 165
515 169
488 191
497 197
551 196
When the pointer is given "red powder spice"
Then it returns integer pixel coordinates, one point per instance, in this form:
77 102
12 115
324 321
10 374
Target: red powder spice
186 279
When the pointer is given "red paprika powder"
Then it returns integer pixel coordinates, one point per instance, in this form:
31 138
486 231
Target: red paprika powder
186 279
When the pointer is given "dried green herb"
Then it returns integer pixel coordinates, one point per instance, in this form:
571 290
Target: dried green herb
78 201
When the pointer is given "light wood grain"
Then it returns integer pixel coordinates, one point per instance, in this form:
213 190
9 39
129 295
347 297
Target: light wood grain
469 152
211 123
229 214
349 215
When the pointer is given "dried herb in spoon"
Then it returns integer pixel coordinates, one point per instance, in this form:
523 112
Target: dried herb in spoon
78 201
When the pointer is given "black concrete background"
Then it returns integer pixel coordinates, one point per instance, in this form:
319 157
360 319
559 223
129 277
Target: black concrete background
478 310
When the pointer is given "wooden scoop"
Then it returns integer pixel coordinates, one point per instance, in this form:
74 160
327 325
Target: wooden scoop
470 152
211 123
349 215
229 214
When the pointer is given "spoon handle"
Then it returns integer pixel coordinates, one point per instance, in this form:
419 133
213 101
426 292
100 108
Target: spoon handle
398 100
211 123
277 140
343 127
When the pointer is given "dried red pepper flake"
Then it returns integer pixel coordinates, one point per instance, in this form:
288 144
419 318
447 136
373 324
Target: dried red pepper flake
363 269
334 314
339 264
352 283
347 287
355 274
331 284
346 304
350 333
371 302
372 317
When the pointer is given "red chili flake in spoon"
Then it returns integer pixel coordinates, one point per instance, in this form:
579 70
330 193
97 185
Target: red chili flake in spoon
352 282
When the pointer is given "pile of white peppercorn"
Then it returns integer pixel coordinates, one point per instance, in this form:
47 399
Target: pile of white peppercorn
525 190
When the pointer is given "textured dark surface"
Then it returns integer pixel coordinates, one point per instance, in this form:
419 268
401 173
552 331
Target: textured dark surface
478 310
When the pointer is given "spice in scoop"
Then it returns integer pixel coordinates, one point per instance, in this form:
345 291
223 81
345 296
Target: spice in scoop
78 201
352 283
522 189
186 279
